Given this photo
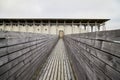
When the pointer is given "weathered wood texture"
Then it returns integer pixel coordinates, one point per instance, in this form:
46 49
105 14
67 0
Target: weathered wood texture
22 53
95 56
58 66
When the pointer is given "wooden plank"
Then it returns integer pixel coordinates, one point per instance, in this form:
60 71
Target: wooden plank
59 71
49 73
58 66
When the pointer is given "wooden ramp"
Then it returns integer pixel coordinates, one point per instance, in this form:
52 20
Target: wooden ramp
57 66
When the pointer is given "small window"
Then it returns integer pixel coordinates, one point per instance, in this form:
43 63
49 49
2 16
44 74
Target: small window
45 29
38 29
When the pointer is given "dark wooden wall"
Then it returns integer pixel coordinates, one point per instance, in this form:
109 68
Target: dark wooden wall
21 54
95 56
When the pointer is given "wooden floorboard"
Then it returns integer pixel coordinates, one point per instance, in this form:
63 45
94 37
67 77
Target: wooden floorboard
58 65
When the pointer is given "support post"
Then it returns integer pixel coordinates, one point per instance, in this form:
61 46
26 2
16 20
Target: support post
72 27
96 26
99 27
41 24
88 26
11 26
64 27
18 26
91 28
80 27
104 28
34 28
26 26
49 28
4 25
56 27
85 27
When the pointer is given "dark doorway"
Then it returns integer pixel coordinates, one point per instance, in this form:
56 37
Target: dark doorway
61 33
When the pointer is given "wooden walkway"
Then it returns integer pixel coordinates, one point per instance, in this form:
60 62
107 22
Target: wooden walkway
57 66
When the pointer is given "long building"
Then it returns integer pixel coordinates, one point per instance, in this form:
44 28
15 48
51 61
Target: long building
53 25
26 54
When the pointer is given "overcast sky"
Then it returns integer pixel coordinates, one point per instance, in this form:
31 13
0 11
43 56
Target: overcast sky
109 9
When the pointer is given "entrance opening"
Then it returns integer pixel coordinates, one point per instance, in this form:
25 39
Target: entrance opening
61 33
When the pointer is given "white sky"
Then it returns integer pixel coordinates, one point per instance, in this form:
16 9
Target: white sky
109 9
